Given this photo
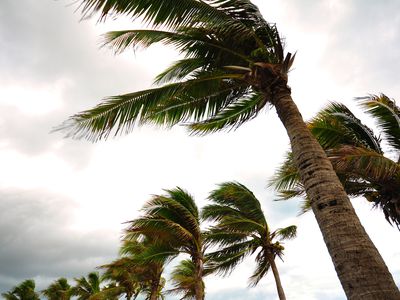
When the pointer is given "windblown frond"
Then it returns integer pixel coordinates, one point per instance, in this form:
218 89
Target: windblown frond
387 116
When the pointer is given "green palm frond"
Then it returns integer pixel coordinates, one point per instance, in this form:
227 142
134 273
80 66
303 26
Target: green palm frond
192 42
363 162
180 69
158 105
58 290
286 177
183 280
230 17
225 260
232 116
24 290
263 266
286 233
387 116
336 125
217 236
236 196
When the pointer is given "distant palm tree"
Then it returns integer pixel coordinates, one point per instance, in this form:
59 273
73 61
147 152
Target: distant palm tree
241 230
131 275
58 290
24 291
233 67
87 287
356 154
182 279
172 220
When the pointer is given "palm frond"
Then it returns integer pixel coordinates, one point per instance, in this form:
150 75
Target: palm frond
232 116
363 162
122 113
236 196
237 18
286 233
261 270
336 125
225 260
387 116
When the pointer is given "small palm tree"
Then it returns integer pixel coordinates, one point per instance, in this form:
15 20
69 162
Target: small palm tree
87 287
356 154
182 279
24 291
58 290
241 230
234 66
172 220
131 275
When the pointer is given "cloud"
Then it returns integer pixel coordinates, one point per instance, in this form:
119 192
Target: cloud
38 239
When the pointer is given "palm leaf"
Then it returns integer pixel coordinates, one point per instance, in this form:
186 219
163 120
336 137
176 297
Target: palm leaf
363 162
336 125
387 116
286 233
125 111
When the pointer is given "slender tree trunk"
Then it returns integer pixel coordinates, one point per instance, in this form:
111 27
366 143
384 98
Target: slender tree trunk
278 283
359 266
199 284
154 289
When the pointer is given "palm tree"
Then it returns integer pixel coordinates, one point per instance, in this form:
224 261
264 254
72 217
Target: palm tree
241 230
356 154
131 275
182 278
58 290
233 67
24 291
172 220
87 287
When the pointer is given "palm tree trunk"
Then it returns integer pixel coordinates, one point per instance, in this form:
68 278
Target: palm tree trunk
278 283
199 284
154 289
359 266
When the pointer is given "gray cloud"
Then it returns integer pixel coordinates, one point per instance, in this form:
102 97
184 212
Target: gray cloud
42 44
36 239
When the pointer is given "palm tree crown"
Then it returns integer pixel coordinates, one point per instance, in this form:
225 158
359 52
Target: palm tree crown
58 290
86 287
172 221
131 274
356 154
232 60
241 230
24 291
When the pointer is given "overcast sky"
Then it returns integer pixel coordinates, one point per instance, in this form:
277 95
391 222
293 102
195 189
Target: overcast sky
63 202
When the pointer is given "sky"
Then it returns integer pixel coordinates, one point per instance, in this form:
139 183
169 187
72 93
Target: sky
63 202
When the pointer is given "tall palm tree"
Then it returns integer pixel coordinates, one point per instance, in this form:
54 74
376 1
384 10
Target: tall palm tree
233 67
356 154
58 290
241 230
131 275
87 287
24 291
172 220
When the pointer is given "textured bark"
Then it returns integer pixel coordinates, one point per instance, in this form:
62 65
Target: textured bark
154 288
278 283
199 284
359 266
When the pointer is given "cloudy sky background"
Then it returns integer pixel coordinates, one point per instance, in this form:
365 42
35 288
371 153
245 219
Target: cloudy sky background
63 202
